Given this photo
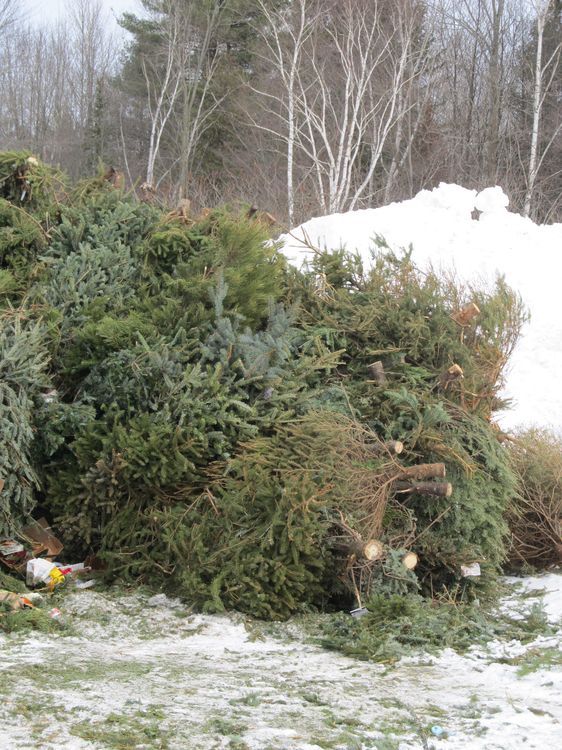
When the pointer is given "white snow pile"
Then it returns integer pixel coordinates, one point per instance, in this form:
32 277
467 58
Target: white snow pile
439 224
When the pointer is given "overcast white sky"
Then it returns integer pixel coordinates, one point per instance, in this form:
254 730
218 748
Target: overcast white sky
41 10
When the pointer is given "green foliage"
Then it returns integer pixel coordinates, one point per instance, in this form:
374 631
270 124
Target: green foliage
402 317
267 519
471 525
9 583
162 424
187 263
25 181
398 625
23 361
22 239
8 283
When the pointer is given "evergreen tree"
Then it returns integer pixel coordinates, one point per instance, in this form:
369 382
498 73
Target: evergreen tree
94 135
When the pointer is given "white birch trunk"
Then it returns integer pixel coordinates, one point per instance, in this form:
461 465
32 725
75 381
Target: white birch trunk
537 105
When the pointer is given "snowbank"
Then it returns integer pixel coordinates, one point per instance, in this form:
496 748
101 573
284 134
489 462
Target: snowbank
440 226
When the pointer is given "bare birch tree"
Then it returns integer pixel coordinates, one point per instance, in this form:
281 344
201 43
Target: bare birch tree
163 74
284 38
36 91
414 96
543 77
178 78
199 102
341 73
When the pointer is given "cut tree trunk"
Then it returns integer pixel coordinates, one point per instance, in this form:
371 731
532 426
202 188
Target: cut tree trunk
438 489
454 372
371 550
392 446
410 560
376 370
424 471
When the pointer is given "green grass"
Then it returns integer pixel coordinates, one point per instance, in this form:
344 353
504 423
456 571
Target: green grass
120 732
252 699
534 660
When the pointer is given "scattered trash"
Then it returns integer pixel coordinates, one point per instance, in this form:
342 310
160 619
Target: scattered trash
56 577
360 612
40 570
437 731
470 571
10 547
42 539
14 601
37 571
71 569
55 614
13 554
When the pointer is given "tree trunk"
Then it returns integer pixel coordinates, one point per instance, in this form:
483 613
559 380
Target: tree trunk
495 90
410 560
454 372
424 471
537 96
376 370
371 550
438 489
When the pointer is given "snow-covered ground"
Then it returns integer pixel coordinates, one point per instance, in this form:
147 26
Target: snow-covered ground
440 226
145 673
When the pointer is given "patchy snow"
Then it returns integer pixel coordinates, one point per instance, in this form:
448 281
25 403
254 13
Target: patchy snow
548 586
439 224
144 672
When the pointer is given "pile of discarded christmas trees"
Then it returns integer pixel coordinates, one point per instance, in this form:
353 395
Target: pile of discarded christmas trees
199 415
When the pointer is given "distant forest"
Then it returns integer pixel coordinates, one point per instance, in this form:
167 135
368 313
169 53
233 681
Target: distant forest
299 106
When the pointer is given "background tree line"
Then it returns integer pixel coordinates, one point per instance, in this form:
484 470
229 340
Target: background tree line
301 106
